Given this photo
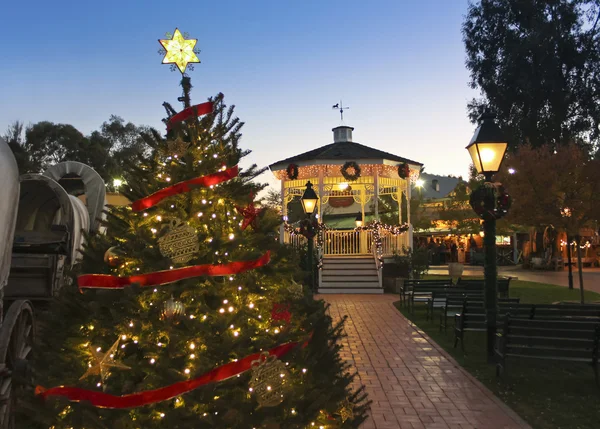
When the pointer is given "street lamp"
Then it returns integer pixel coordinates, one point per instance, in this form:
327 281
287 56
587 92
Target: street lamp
309 204
487 147
359 220
309 199
491 202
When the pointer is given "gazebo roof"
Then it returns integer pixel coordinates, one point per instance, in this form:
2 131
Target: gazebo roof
341 151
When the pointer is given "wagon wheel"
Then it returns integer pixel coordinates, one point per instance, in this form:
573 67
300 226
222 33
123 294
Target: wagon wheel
16 341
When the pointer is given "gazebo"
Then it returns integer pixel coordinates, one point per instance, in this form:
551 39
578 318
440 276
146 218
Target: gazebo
355 185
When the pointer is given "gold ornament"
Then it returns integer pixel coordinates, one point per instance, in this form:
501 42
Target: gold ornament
172 310
103 362
180 51
269 378
180 243
347 411
113 256
177 147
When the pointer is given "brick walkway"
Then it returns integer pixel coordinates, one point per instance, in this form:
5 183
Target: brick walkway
412 382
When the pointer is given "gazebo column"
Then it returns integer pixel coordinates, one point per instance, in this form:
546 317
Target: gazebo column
364 246
410 227
376 186
399 190
321 188
283 212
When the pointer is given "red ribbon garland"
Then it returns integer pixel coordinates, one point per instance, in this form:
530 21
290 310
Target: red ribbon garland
105 281
178 188
104 400
197 110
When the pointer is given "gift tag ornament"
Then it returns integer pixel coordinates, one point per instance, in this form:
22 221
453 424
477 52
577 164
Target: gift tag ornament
172 310
180 244
269 378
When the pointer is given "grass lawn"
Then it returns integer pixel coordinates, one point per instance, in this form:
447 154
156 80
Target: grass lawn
546 394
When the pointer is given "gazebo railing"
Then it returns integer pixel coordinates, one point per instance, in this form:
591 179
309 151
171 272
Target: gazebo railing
351 242
348 242
391 243
295 240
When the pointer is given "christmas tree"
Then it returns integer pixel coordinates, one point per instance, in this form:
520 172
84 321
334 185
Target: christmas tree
187 312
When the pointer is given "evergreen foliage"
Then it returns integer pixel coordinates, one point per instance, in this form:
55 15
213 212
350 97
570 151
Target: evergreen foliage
226 318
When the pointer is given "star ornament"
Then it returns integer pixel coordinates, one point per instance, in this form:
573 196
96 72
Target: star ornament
103 362
179 51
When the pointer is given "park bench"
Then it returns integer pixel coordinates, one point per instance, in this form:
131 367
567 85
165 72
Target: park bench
420 290
475 306
439 297
572 340
472 317
502 284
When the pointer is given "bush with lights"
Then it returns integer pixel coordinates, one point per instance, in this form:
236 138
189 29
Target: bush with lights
186 313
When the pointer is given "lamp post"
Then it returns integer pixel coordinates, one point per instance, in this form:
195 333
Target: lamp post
309 203
487 149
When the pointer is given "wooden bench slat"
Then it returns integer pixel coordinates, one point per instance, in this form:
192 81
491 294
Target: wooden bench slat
531 339
564 338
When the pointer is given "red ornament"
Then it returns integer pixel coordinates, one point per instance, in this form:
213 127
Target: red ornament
250 214
281 312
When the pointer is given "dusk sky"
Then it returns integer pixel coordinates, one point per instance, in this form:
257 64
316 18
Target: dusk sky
398 64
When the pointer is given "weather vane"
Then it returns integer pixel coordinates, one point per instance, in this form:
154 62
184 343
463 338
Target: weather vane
342 108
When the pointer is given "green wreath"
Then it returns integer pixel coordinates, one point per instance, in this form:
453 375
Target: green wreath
292 171
350 176
490 201
403 170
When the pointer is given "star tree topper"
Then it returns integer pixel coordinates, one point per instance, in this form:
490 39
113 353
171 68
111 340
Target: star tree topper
179 51
103 362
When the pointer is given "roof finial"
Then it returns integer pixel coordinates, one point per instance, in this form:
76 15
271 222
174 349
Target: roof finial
342 108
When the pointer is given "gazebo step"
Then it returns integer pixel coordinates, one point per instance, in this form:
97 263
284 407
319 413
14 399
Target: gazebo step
350 284
349 276
333 290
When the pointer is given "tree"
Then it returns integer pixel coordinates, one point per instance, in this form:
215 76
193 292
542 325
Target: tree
41 145
15 137
173 332
559 188
537 66
457 212
273 200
